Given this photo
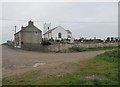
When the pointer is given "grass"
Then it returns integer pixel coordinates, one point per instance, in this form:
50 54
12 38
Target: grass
0 81
77 49
102 70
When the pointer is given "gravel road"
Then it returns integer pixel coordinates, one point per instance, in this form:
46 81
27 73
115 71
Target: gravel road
16 61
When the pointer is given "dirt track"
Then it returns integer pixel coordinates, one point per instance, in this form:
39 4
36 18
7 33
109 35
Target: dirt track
19 61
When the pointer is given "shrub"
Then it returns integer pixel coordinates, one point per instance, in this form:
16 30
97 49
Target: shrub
76 49
46 43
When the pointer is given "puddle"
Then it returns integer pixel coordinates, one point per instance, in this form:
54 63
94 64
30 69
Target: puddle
38 64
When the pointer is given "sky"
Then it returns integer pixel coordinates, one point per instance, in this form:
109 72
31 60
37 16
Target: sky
83 19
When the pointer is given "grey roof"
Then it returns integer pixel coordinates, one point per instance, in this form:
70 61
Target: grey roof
68 31
23 28
51 30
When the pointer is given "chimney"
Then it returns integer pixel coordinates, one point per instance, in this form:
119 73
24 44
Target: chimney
30 22
22 27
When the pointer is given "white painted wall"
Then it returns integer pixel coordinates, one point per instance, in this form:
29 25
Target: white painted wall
46 36
54 34
61 30
46 27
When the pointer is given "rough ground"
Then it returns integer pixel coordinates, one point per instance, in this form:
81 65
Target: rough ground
16 61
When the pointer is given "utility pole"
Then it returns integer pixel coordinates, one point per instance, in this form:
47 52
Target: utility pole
15 36
15 29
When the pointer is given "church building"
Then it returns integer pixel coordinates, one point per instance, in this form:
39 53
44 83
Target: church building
56 33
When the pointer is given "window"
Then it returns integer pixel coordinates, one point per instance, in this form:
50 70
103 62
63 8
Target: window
59 35
48 27
69 36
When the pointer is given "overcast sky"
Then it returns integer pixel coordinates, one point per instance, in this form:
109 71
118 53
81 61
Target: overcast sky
83 19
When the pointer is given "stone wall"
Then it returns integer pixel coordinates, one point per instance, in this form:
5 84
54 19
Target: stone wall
64 47
34 47
10 43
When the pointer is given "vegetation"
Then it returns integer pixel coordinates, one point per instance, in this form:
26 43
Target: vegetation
0 81
62 41
77 49
95 40
102 70
46 43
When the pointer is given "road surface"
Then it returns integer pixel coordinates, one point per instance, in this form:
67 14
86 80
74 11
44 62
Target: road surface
16 61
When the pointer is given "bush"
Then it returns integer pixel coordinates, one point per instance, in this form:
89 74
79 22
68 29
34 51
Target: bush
46 43
76 49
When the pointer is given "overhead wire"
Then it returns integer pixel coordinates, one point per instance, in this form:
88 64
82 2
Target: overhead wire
63 21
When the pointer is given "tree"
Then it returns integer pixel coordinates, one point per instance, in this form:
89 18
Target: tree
112 39
108 39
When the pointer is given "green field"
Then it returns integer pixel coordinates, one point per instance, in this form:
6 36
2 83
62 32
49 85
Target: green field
102 70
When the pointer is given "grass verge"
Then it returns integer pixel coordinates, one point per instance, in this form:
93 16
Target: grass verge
77 49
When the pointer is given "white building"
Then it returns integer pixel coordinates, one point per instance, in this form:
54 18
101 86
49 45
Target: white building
56 33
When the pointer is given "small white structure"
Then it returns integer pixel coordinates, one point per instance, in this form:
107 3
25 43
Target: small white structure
56 33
